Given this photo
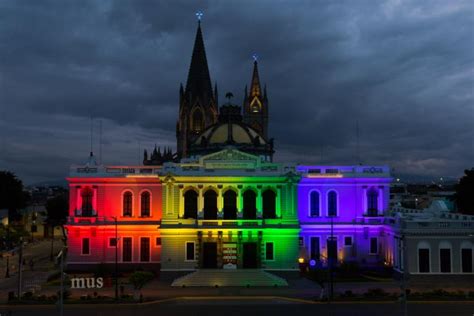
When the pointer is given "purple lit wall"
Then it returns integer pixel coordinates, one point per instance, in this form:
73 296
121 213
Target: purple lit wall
358 225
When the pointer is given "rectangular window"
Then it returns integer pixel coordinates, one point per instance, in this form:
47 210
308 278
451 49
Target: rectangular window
85 246
347 241
466 260
332 249
314 251
445 260
112 242
423 260
374 245
158 241
269 251
144 249
190 252
127 249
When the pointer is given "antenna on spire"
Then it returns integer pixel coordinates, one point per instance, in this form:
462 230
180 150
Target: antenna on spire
357 143
100 142
199 15
91 132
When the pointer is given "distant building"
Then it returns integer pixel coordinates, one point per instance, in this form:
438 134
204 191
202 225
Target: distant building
433 240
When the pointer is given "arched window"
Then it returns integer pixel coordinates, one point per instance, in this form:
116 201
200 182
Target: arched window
314 204
198 121
210 204
269 204
127 203
191 204
230 205
250 205
145 204
87 195
372 202
332 203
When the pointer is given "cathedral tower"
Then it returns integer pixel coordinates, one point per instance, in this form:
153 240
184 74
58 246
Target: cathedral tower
255 111
197 102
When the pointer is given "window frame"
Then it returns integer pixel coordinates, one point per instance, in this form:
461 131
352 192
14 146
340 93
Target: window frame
327 203
140 249
88 246
310 203
186 251
266 251
123 203
376 243
150 199
352 241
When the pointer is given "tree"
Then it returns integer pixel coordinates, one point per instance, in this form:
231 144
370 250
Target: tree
465 193
139 279
57 208
12 195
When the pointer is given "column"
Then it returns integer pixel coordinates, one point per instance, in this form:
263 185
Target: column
200 204
78 201
94 199
181 203
220 203
278 202
259 202
364 200
380 201
239 202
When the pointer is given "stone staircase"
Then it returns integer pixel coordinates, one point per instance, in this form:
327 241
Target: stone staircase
219 277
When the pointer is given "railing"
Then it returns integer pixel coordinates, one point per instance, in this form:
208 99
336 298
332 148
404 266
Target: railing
230 223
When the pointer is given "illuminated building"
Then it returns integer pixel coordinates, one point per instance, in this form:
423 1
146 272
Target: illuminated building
220 201
349 204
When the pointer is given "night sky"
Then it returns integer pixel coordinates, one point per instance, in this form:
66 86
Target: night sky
404 70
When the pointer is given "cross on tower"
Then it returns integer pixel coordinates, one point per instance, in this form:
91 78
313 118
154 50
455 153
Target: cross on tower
255 56
199 15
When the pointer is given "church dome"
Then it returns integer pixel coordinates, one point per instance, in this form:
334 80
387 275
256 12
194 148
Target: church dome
230 130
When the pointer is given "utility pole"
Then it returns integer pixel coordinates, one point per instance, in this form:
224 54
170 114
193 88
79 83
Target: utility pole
20 267
116 260
61 291
331 249
51 255
404 276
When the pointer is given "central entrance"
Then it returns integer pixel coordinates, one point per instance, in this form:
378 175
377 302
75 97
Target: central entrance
249 255
209 255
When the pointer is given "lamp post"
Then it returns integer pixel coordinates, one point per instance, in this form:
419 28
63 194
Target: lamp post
330 257
61 290
51 255
20 267
116 259
403 285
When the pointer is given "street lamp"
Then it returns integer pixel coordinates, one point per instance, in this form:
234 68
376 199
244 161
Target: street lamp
116 259
403 285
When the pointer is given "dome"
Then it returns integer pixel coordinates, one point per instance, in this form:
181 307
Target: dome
229 133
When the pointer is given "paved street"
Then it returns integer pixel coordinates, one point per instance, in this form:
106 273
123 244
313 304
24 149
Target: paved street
250 306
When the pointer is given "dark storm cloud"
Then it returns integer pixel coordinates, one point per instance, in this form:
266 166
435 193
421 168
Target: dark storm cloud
402 71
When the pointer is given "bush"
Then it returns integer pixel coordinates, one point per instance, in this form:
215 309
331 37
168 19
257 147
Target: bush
376 292
140 278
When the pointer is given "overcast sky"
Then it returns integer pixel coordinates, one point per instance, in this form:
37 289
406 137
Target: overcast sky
404 70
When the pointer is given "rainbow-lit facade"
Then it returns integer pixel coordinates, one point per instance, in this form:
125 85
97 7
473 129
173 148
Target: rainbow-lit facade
220 201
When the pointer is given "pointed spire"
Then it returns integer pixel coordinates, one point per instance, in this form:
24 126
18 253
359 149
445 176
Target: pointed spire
265 92
255 89
198 84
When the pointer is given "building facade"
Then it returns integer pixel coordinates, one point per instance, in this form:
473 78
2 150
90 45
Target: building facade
220 202
229 210
342 211
114 216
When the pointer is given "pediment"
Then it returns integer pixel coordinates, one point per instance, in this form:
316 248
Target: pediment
230 159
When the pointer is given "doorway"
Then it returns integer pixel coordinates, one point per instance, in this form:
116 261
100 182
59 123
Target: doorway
250 255
209 255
